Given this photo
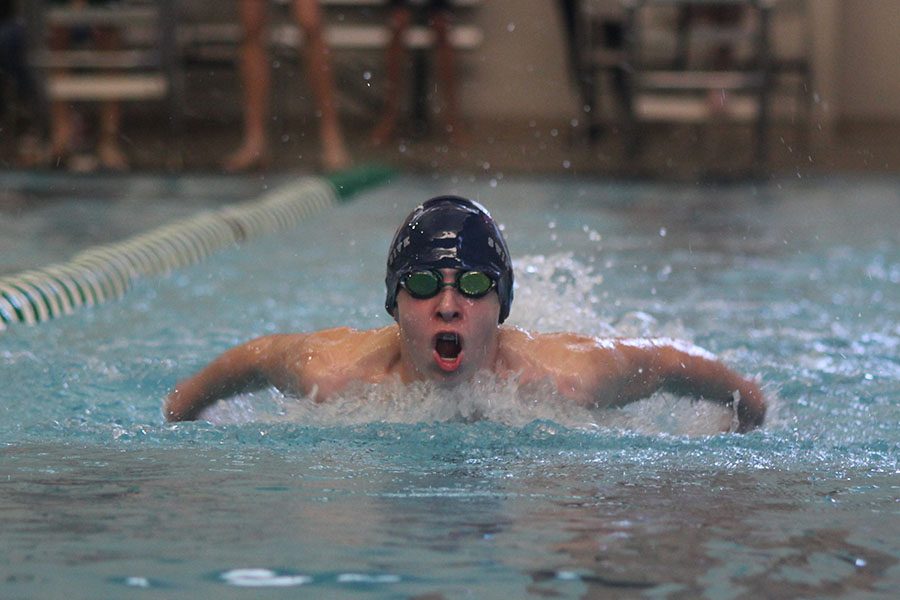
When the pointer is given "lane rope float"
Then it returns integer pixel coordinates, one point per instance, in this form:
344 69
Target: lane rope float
106 272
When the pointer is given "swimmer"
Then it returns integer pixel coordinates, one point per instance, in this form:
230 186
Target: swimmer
449 289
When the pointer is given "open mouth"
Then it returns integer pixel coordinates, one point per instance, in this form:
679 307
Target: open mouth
447 345
448 350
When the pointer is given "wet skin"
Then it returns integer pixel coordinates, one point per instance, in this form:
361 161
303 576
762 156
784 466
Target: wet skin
448 337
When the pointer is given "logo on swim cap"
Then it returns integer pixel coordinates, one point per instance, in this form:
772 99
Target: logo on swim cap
450 232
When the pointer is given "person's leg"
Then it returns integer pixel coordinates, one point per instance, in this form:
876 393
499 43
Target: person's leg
109 152
62 127
318 68
721 55
446 73
395 63
255 87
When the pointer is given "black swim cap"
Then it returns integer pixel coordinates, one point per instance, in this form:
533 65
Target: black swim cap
450 232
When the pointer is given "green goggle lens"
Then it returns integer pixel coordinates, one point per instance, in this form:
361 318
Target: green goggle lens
474 283
426 284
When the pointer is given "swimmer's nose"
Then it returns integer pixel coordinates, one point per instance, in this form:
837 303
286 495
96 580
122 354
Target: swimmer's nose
448 304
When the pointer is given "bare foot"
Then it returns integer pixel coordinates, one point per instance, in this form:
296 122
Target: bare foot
250 156
59 152
111 156
58 157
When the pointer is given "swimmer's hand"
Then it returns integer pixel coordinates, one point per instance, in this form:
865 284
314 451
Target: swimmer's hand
749 407
177 407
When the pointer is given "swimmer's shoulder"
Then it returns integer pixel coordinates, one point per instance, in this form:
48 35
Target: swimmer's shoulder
364 339
577 364
327 360
331 349
527 349
561 353
528 341
334 345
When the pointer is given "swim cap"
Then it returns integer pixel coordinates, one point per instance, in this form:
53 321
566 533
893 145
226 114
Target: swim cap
450 232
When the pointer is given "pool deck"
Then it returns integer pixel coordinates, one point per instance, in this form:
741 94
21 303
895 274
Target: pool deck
680 152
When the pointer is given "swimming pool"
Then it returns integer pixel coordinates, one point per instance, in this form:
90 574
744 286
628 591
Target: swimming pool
403 493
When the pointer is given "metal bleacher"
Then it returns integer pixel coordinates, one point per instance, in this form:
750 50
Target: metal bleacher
660 74
142 67
163 41
356 31
350 25
676 90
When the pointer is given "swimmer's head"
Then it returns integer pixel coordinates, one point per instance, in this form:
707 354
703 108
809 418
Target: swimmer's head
450 232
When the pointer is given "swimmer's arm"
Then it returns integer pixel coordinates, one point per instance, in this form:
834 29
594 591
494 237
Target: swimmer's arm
245 368
646 366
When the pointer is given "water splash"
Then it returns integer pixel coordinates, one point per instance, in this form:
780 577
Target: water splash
487 398
573 307
557 293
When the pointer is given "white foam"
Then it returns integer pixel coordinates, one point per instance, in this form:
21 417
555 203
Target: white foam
364 578
262 578
487 397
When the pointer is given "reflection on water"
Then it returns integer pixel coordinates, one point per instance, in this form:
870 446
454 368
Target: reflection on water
519 521
699 534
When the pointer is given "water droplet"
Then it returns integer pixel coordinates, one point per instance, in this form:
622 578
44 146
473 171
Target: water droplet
510 27
662 232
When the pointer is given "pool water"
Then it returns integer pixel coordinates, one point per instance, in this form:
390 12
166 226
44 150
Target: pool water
491 491
46 217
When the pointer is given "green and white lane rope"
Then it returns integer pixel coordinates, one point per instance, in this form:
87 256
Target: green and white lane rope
107 272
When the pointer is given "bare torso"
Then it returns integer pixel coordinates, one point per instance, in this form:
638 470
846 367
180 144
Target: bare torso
326 362
591 372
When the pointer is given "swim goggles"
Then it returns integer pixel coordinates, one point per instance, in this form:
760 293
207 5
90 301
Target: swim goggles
427 284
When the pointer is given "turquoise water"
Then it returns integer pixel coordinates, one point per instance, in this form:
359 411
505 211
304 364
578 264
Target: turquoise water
490 492
45 217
